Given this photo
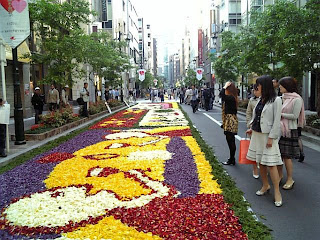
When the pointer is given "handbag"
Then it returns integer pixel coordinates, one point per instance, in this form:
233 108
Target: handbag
244 146
80 101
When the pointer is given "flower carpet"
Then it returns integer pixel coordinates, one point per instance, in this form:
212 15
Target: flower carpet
119 181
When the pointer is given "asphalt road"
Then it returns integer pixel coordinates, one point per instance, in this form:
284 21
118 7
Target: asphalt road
299 216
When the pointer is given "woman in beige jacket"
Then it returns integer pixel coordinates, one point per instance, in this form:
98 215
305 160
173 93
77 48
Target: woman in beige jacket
251 105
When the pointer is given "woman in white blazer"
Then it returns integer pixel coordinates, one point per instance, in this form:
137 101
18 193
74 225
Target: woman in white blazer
265 130
292 116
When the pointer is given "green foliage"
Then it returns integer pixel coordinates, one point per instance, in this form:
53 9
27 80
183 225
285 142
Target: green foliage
64 47
97 107
226 65
58 27
283 40
102 53
191 79
148 81
59 118
311 118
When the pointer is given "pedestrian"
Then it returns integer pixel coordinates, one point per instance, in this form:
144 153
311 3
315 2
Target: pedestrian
106 94
65 96
276 87
37 102
251 105
134 94
181 95
169 93
194 98
292 116
116 94
84 94
265 134
152 95
188 95
162 95
53 98
229 96
3 134
207 96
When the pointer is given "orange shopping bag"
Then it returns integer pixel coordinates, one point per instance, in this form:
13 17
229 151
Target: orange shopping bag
244 146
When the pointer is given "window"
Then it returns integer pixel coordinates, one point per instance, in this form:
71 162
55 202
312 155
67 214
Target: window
149 35
234 18
149 44
109 10
123 6
148 26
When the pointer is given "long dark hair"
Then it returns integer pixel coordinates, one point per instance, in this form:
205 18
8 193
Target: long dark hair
289 83
268 94
233 91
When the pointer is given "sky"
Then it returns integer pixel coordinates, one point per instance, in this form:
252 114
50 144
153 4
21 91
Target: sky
167 19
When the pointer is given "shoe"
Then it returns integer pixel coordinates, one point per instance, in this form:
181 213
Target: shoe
255 176
230 162
278 204
301 158
3 155
260 193
288 186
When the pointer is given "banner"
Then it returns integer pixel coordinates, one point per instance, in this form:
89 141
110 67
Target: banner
199 72
142 74
5 114
14 18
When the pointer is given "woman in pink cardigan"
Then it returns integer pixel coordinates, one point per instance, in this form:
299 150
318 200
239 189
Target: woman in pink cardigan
292 116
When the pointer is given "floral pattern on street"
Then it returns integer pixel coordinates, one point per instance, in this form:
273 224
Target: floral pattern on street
133 183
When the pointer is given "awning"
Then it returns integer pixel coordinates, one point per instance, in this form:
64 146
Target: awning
23 49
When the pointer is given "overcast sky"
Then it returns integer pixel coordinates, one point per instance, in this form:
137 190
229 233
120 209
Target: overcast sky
167 19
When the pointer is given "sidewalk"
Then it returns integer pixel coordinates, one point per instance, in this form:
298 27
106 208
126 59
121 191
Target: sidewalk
16 150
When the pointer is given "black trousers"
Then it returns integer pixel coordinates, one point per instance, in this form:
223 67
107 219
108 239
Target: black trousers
53 106
181 99
2 139
85 110
231 140
206 103
38 112
194 104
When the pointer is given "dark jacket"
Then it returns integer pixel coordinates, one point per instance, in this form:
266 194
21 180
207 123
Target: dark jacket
230 104
207 93
37 102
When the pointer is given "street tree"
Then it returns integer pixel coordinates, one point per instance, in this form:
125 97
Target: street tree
101 53
191 79
226 64
148 81
58 27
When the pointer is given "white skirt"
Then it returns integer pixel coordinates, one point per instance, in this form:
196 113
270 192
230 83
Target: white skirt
259 152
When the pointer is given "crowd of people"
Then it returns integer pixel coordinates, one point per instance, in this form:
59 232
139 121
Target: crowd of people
275 116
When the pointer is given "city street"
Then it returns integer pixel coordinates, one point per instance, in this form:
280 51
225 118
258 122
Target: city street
298 218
